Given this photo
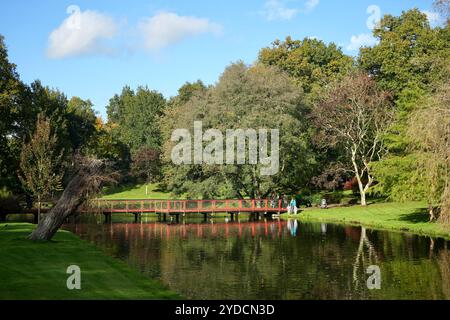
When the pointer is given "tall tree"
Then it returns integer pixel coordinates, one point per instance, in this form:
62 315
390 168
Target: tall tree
135 116
244 98
430 130
407 53
311 62
12 94
354 115
40 163
81 122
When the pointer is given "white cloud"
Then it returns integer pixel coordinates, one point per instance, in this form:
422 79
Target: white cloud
167 28
433 17
361 40
276 10
311 4
81 33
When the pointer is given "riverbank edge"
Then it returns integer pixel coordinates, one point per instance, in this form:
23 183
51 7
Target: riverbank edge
67 246
390 220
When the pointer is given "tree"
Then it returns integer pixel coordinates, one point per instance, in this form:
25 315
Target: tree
409 61
81 122
409 53
136 117
430 130
353 114
146 165
245 97
12 95
89 174
40 163
310 62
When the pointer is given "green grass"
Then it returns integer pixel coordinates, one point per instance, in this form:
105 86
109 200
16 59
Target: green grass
408 217
136 192
37 270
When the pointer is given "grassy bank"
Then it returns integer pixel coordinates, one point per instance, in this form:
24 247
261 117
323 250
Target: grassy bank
37 270
408 217
136 192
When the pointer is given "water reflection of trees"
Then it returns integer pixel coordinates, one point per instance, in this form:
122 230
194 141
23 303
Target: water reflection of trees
263 260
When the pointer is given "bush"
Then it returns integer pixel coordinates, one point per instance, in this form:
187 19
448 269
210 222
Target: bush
8 202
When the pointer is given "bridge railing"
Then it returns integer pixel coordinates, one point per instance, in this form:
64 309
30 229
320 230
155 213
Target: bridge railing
157 205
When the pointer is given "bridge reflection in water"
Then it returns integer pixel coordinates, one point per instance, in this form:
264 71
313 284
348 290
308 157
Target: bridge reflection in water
266 229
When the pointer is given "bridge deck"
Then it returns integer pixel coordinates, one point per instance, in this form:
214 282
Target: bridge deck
184 206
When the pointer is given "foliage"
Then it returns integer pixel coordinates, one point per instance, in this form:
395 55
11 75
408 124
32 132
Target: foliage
430 130
11 109
353 114
399 178
135 116
146 164
311 62
409 52
40 162
81 122
245 97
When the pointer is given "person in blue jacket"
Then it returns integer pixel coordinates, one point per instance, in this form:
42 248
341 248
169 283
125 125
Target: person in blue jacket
292 206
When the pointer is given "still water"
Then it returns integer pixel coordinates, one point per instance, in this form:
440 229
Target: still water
275 259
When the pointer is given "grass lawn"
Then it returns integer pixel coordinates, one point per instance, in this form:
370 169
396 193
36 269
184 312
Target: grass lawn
411 217
136 192
37 270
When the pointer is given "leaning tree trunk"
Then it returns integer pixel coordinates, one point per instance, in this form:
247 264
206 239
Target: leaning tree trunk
86 178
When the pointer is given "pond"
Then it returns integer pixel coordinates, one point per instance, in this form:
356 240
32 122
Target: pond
274 259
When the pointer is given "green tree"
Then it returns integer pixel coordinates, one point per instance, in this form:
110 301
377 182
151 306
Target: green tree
244 98
12 94
430 130
311 62
40 163
135 116
409 61
409 53
81 122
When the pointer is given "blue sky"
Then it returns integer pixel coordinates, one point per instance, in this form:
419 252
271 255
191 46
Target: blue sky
91 49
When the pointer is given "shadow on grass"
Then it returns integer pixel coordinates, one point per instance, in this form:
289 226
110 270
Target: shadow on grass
418 216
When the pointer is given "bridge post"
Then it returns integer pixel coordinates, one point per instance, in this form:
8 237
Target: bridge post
232 216
177 218
35 218
137 217
107 217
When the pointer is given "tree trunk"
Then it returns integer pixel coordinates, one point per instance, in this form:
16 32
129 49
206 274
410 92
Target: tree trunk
363 198
362 191
85 179
39 209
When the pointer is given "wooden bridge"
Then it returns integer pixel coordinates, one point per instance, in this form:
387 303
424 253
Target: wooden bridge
183 207
173 208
